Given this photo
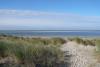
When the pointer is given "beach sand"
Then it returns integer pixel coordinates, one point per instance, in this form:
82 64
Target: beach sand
81 56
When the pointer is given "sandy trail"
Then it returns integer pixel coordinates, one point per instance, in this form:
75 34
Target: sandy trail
82 56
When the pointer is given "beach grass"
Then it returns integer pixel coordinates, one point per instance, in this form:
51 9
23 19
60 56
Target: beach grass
30 52
83 41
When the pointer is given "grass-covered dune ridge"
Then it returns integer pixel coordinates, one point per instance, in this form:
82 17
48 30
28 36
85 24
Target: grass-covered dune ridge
93 42
83 41
30 52
48 51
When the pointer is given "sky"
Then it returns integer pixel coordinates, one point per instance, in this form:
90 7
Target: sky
49 14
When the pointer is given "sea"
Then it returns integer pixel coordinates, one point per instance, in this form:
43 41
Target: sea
51 32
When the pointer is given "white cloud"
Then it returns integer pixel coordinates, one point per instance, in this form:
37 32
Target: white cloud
28 13
47 20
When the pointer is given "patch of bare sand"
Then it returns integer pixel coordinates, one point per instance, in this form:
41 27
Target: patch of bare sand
82 56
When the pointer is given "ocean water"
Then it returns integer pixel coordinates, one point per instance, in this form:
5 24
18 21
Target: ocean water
49 33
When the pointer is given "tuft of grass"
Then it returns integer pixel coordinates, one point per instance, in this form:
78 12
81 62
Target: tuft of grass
57 41
46 41
4 49
89 42
31 52
83 41
36 54
79 40
98 45
97 51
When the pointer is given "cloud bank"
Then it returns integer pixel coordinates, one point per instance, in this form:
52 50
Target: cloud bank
30 19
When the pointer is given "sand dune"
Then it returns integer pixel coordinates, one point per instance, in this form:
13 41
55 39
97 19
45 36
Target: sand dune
82 56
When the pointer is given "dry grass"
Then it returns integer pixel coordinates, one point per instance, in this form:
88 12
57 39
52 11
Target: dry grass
30 52
83 41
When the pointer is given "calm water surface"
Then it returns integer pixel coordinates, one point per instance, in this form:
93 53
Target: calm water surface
49 33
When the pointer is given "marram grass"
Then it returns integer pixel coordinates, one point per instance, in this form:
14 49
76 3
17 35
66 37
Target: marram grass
30 52
83 41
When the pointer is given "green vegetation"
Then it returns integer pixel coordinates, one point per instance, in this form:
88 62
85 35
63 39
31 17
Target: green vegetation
98 45
92 42
97 51
30 52
83 41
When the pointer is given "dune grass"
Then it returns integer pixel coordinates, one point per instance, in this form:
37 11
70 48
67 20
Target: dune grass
83 41
31 52
97 50
98 45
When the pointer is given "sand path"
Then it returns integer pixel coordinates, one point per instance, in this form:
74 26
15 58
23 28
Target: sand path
82 56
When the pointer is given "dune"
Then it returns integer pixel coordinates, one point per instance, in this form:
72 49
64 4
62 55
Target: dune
81 56
74 52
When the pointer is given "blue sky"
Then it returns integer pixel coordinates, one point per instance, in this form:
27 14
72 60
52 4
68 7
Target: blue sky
50 14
